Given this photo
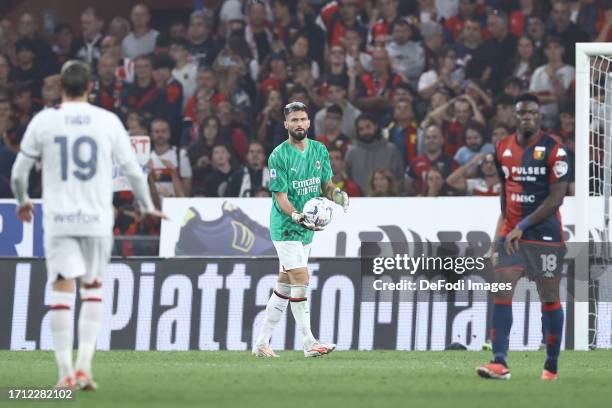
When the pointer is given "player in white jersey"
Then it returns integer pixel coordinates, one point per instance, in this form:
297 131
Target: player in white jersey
76 144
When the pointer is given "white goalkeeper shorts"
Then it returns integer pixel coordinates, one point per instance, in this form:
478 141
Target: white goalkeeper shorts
292 254
77 257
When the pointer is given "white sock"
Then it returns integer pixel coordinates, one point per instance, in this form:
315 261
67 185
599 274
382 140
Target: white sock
90 321
301 313
61 329
274 311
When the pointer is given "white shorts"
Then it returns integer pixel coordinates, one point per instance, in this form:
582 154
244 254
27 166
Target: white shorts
292 254
73 257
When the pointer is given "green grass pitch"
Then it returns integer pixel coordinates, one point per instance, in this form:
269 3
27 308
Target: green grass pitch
342 379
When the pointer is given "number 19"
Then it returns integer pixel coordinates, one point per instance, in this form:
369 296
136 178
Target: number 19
86 168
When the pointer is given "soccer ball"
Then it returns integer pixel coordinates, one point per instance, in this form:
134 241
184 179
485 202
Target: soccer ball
319 211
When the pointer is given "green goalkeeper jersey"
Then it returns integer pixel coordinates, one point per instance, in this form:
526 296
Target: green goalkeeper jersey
301 175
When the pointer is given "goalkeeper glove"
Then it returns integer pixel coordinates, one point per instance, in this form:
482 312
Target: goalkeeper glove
341 198
300 218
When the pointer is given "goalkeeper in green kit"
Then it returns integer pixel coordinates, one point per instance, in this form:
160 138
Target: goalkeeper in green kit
299 170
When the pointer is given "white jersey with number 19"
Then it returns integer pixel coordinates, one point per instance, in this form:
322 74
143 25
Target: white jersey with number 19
77 143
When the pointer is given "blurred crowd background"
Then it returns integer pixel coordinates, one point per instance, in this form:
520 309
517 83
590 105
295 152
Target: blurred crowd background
410 96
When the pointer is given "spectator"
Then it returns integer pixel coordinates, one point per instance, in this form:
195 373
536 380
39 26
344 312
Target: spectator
337 64
376 87
525 62
338 16
519 17
566 30
434 184
26 70
63 42
427 10
7 158
107 88
551 82
337 94
9 132
206 89
513 87
357 58
498 132
433 40
141 40
52 91
587 17
536 31
402 132
24 106
184 71
200 150
382 184
269 118
468 44
251 177
203 47
170 169
234 79
216 182
302 75
286 21
566 130
273 74
566 133
233 134
455 24
136 125
499 49
474 143
446 73
124 67
332 134
88 45
119 28
257 34
340 178
504 111
300 50
5 69
407 56
371 152
487 182
482 98
142 94
432 157
381 29
231 11
27 29
170 93
454 120
177 30
605 24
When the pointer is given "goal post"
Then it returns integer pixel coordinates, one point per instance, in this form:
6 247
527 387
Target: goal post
593 166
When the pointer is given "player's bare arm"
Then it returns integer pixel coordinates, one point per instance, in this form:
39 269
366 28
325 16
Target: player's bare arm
19 185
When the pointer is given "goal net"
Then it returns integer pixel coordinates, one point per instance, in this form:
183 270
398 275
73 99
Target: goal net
594 154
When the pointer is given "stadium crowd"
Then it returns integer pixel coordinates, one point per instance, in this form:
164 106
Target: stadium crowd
410 97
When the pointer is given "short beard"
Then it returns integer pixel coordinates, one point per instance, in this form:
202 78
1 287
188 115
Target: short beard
301 135
527 133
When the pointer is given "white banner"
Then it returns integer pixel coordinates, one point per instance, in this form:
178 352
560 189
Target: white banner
142 147
209 226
